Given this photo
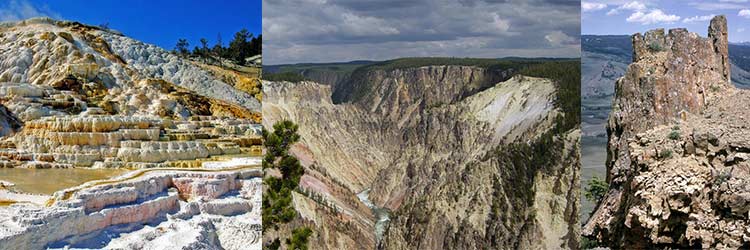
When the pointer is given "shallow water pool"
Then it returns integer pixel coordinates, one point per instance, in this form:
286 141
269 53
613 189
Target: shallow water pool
47 181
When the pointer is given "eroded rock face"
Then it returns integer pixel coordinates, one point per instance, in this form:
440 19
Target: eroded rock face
677 135
430 144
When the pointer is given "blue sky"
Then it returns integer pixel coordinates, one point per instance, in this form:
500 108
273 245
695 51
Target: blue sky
618 17
156 22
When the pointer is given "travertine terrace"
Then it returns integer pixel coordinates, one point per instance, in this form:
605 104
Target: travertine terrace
78 96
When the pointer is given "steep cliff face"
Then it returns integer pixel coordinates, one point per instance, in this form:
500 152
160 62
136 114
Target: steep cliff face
373 89
335 79
672 133
440 147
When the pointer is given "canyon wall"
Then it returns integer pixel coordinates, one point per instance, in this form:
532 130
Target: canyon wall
440 147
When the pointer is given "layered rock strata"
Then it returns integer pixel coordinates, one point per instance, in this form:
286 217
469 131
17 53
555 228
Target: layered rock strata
81 96
110 141
676 147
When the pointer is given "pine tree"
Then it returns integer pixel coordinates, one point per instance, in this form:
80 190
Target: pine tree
182 47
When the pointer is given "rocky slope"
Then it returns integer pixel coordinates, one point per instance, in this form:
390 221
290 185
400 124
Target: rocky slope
77 96
676 147
437 146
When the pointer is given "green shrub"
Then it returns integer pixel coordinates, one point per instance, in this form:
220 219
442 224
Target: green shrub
275 245
674 135
665 153
299 238
722 177
587 243
595 189
715 88
277 198
655 46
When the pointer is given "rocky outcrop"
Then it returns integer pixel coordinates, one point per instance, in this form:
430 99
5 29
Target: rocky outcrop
676 137
9 123
112 141
433 144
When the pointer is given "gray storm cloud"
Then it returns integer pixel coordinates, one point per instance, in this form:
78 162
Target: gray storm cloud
339 30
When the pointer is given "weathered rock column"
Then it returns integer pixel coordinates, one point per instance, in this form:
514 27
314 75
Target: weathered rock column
672 74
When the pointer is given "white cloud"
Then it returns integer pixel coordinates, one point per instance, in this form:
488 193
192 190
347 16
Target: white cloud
698 18
652 17
734 1
721 5
496 26
632 6
744 13
740 29
15 10
559 38
366 25
588 6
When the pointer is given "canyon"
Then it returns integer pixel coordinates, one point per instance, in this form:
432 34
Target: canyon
450 152
168 147
677 147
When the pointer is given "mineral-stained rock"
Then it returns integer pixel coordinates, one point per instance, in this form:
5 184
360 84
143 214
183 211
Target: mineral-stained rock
678 130
78 96
432 145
